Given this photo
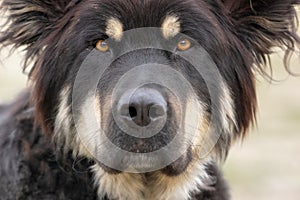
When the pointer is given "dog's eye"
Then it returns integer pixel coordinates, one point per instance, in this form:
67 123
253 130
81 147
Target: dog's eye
102 46
184 44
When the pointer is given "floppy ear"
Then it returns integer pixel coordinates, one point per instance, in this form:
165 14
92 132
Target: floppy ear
31 21
263 24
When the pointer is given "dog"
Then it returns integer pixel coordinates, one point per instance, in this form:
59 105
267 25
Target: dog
134 99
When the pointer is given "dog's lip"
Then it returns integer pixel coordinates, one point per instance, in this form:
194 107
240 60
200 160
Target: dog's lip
144 164
140 163
142 167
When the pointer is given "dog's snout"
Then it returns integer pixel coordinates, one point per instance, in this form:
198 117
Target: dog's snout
143 107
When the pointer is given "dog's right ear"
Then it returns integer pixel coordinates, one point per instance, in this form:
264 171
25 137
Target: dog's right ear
262 25
29 22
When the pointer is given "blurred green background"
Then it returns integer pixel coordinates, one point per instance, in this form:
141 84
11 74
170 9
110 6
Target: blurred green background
267 164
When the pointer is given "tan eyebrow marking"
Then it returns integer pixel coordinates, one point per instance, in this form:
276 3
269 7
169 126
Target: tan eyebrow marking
114 29
171 26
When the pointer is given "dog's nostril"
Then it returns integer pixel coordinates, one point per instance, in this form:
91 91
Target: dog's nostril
156 111
139 112
132 112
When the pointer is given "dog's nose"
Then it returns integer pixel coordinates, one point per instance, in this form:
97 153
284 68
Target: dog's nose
143 107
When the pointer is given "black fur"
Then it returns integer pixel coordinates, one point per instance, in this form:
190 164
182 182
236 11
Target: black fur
57 35
30 169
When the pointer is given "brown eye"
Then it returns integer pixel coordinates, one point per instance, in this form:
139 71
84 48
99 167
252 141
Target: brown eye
184 45
102 46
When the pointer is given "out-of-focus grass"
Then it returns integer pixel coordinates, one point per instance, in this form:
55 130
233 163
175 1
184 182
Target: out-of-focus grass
11 79
267 165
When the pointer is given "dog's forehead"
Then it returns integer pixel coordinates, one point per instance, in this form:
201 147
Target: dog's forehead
170 27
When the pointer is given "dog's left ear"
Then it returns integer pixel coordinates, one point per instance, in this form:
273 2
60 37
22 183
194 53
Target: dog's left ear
263 24
29 22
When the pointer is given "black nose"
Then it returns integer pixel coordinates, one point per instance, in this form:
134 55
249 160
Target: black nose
143 106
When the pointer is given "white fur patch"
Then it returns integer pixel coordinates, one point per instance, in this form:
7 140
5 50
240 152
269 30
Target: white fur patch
228 110
65 136
120 186
62 132
88 127
171 26
114 29
158 186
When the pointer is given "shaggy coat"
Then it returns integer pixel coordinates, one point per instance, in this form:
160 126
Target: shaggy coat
41 156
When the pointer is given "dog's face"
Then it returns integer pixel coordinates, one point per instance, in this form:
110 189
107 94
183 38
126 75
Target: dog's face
148 78
150 108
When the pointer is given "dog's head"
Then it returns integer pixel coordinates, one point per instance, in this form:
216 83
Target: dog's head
154 84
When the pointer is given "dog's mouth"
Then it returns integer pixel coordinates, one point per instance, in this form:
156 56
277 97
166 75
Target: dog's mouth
141 163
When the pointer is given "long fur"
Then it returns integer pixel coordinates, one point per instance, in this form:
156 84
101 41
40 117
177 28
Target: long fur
43 158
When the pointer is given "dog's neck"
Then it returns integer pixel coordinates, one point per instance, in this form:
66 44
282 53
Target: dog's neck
152 186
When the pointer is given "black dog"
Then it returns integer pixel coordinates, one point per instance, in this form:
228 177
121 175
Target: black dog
53 148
